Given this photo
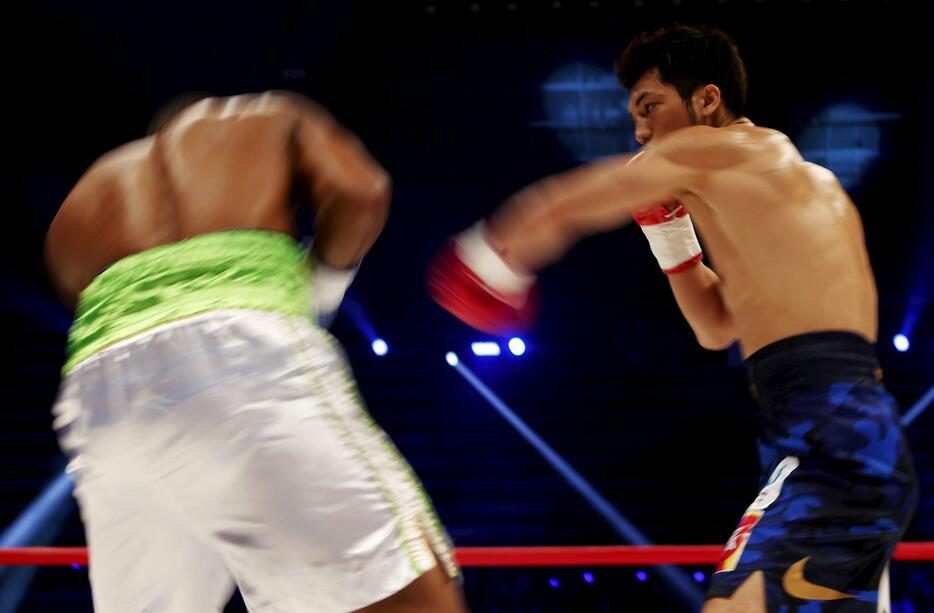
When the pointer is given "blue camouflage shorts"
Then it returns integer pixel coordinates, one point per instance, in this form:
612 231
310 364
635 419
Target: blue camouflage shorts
838 487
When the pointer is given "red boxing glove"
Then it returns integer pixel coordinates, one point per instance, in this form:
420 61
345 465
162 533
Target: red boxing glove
671 236
470 280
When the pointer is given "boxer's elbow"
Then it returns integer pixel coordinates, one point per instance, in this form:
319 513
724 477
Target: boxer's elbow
716 343
375 198
715 333
716 336
698 293
370 201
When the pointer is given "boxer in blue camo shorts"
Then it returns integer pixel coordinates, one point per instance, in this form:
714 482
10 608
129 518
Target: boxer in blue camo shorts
838 487
788 280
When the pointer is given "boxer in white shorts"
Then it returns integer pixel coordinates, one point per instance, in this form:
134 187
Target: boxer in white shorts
215 432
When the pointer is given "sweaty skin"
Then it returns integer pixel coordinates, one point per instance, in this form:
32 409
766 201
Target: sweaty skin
784 237
222 163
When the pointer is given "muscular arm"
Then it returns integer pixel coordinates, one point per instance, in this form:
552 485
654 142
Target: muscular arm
697 292
73 253
540 223
350 189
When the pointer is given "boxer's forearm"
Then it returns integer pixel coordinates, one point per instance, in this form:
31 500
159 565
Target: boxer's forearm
349 189
538 225
697 292
347 224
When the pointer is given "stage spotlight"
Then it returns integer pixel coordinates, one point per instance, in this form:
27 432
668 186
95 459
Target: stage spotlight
516 345
901 342
380 347
485 349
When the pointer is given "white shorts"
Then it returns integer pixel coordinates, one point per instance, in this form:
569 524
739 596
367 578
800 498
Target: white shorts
233 447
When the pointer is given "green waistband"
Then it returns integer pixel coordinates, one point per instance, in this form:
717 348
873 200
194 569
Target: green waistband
246 269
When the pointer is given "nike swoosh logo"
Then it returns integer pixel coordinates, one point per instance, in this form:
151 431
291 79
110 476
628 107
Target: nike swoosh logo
796 585
777 477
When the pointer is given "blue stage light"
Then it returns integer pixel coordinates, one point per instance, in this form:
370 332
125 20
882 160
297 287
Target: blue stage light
380 347
901 342
516 345
485 349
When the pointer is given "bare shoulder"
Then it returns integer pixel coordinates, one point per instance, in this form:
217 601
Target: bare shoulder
270 103
279 102
314 120
285 99
132 150
113 163
731 147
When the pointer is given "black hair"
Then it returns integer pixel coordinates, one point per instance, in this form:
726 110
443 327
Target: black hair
688 57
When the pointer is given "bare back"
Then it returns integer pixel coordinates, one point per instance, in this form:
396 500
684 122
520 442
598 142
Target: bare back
221 164
785 239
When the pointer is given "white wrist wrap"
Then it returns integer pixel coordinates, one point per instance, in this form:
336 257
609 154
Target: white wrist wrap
329 285
479 256
673 243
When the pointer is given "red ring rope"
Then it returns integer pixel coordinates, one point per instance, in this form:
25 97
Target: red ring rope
500 556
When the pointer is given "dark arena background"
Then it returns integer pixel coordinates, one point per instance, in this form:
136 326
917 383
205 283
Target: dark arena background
611 426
